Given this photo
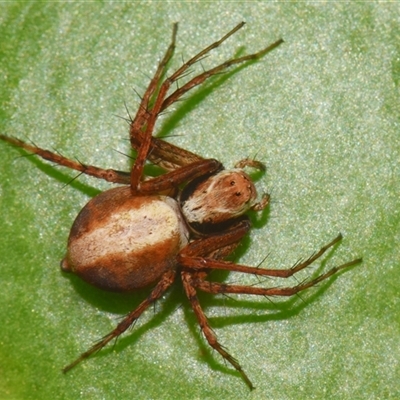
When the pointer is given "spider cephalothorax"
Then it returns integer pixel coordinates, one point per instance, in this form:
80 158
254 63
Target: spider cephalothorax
182 223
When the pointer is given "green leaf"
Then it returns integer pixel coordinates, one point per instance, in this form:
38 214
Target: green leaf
322 111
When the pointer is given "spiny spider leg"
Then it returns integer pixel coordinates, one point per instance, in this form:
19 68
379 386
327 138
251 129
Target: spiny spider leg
213 71
109 175
164 283
164 182
191 281
173 154
174 178
166 155
189 259
142 114
205 246
206 328
217 288
144 108
196 267
141 119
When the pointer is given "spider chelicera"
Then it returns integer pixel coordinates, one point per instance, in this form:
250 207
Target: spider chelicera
184 222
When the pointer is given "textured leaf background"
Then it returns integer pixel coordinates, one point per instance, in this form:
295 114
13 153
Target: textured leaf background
322 111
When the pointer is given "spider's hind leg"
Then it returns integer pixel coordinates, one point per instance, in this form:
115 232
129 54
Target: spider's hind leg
199 258
165 282
206 328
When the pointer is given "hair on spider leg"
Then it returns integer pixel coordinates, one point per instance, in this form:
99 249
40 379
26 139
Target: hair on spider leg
263 260
57 151
128 120
300 297
177 135
72 180
114 344
258 266
28 139
167 112
127 108
188 72
133 324
131 157
28 155
138 95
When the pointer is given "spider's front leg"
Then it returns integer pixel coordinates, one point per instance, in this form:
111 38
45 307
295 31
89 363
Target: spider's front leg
154 102
109 175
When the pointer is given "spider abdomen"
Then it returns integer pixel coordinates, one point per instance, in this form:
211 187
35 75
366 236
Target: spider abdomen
121 242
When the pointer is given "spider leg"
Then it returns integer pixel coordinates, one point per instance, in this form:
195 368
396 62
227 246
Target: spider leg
206 328
136 132
199 256
109 175
154 185
164 283
199 79
137 124
156 149
174 178
165 154
216 288
195 270
193 256
206 247
145 120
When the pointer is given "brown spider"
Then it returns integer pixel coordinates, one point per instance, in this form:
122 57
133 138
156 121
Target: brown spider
186 221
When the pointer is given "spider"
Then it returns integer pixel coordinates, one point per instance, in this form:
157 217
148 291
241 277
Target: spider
185 222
